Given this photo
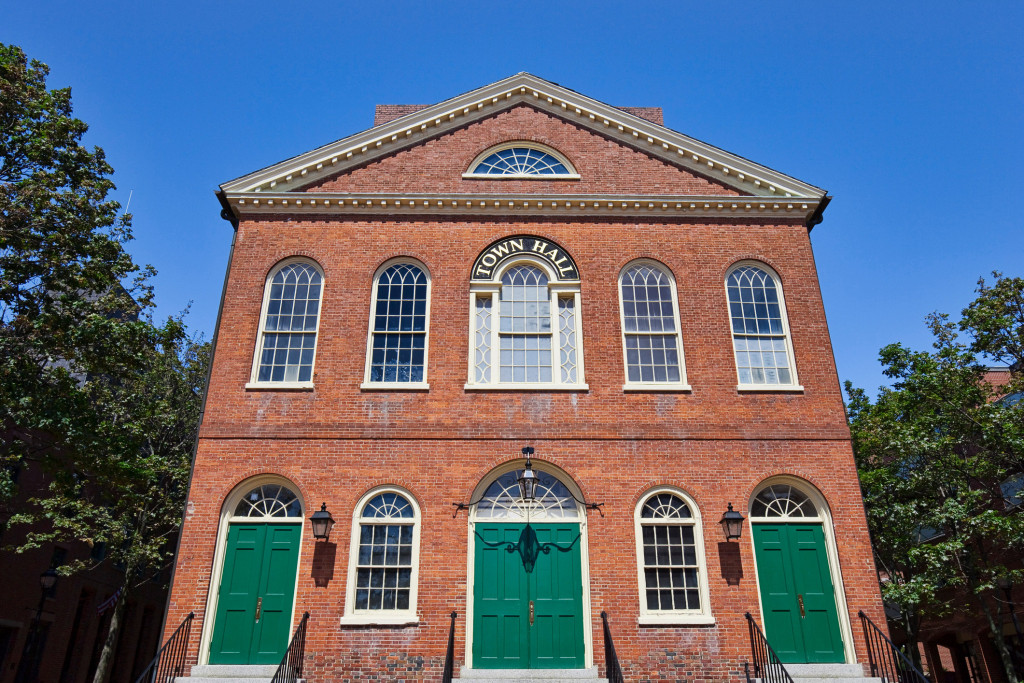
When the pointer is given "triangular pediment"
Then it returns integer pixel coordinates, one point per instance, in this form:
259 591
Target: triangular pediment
762 190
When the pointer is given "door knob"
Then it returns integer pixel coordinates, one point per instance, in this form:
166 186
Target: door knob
259 608
800 599
531 612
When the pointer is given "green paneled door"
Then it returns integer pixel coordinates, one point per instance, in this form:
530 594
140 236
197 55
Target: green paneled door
505 585
260 564
797 595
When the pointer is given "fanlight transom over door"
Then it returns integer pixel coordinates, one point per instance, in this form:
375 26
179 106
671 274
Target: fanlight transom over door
528 582
798 595
257 585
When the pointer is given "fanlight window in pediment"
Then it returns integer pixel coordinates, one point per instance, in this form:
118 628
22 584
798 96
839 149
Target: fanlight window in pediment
269 500
783 500
522 160
502 499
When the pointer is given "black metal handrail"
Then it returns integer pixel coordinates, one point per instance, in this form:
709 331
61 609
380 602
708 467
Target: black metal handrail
169 661
887 661
767 665
290 669
611 660
449 655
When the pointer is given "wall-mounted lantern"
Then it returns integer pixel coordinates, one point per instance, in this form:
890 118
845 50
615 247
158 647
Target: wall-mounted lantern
322 521
732 523
528 479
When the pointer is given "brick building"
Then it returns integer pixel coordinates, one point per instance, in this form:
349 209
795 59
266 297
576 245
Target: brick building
410 307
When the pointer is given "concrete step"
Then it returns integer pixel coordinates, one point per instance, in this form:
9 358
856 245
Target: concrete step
230 673
530 675
825 670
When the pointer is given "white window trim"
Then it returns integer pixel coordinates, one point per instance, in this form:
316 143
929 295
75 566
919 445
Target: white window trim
794 384
557 289
395 617
702 616
571 175
628 386
255 384
396 386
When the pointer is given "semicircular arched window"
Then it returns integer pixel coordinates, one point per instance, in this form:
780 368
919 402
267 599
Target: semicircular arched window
269 500
502 499
782 500
521 160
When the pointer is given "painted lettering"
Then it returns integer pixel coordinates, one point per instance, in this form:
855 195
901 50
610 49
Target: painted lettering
539 246
489 259
482 272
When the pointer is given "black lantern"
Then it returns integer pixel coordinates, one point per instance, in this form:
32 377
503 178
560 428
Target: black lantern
732 523
528 479
48 579
322 523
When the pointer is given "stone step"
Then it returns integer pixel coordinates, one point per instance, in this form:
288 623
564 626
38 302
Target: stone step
230 673
825 670
529 675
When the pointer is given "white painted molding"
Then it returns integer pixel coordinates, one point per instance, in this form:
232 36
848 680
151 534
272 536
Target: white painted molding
378 620
279 386
524 88
769 388
654 387
395 386
675 620
703 206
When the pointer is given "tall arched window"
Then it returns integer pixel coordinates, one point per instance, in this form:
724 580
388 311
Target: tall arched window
526 331
288 327
760 331
670 560
399 320
651 340
383 559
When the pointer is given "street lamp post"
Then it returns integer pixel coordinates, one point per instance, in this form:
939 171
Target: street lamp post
28 667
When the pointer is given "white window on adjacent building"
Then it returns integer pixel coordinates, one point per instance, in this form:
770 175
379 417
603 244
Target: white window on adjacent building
670 560
652 344
525 330
286 347
396 356
760 330
383 559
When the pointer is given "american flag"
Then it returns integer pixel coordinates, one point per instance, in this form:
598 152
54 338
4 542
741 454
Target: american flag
109 602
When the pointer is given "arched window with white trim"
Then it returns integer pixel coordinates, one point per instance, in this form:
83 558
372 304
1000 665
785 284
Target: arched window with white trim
670 560
384 558
652 342
396 354
526 329
289 321
760 329
521 160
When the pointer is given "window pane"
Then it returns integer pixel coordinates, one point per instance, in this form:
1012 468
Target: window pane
400 322
759 338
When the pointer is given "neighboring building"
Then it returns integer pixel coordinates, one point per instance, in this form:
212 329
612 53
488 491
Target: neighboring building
407 308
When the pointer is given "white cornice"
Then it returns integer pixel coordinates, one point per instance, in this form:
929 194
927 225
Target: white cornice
336 204
676 148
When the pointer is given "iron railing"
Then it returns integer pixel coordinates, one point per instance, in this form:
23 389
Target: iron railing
611 660
290 669
169 662
449 655
767 665
887 661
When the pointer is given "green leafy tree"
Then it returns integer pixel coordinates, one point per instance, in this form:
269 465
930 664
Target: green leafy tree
933 451
92 392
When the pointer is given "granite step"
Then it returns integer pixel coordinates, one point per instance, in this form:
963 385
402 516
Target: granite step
529 676
230 673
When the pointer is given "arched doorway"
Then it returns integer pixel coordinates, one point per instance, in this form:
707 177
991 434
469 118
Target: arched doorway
258 555
528 575
796 573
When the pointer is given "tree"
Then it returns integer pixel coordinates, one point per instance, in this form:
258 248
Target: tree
933 452
105 401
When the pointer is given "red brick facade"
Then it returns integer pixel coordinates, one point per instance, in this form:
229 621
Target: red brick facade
337 441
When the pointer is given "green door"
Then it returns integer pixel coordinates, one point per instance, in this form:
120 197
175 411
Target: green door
519 567
797 595
260 564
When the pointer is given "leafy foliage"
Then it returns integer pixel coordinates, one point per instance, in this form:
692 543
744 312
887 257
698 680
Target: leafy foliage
99 400
932 452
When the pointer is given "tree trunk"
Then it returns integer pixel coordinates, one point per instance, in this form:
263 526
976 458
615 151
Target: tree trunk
110 644
995 627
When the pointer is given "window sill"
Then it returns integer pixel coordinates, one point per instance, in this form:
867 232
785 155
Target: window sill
521 176
527 387
279 386
379 620
652 386
394 386
755 388
675 620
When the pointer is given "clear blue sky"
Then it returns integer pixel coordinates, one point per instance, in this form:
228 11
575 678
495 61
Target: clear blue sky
911 114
